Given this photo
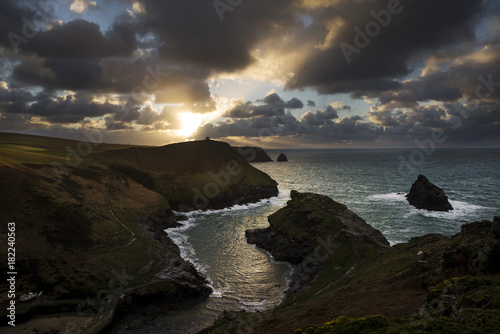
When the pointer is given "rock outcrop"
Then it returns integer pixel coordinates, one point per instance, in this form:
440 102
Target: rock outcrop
426 195
253 154
311 228
282 158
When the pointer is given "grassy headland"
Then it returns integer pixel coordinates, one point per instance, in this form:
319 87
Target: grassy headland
90 217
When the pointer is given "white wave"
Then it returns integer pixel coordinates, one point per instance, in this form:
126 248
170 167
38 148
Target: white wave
253 306
259 303
217 292
187 250
274 201
391 197
460 209
185 225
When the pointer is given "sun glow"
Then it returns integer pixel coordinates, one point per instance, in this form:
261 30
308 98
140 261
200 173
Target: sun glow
189 123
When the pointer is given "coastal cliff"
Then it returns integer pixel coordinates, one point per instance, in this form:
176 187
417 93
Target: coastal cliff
198 175
90 223
253 154
309 230
345 277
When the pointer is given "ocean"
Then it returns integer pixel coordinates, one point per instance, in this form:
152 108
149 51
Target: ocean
372 183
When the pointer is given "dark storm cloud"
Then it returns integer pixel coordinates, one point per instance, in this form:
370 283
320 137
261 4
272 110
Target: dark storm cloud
11 21
348 129
13 122
294 103
80 39
139 78
258 127
323 124
14 97
53 73
416 26
68 110
249 110
63 109
320 117
112 124
428 116
273 105
192 32
460 124
77 55
468 77
476 123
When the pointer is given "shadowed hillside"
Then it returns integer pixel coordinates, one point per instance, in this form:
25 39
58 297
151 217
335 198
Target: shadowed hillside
194 175
90 216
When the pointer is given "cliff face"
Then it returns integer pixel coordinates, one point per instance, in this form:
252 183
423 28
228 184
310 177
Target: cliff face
253 154
426 195
196 175
310 230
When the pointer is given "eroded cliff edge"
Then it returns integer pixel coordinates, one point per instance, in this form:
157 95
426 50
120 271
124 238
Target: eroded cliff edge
310 230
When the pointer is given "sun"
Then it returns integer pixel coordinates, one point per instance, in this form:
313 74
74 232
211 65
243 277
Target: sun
189 123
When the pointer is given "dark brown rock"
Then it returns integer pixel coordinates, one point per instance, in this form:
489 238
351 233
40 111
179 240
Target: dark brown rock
426 195
282 157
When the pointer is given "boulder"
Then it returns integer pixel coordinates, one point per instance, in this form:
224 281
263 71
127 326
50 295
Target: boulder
282 157
426 195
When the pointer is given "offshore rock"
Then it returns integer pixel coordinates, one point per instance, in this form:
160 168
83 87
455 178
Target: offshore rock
282 157
426 195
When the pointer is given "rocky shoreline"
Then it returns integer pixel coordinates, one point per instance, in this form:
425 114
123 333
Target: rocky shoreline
344 267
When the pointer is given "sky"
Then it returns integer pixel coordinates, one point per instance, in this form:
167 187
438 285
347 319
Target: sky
275 74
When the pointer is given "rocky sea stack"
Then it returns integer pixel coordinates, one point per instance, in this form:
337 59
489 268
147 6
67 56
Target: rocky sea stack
282 157
426 195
